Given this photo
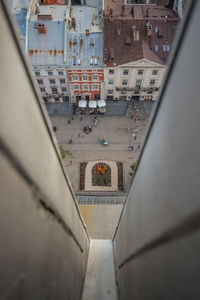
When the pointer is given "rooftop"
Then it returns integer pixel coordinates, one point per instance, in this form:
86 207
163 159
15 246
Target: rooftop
85 38
129 41
119 9
46 35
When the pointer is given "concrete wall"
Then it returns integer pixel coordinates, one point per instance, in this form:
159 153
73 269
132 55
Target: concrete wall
44 243
157 243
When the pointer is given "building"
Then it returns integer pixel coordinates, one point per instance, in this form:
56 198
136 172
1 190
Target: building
137 43
46 49
19 11
84 59
179 6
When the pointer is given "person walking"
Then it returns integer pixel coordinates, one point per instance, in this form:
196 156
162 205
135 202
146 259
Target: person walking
69 122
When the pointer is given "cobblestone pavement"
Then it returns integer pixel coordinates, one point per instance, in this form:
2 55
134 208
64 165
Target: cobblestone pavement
117 130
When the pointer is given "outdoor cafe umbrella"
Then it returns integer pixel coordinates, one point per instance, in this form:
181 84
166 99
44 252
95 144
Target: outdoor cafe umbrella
82 103
92 104
101 103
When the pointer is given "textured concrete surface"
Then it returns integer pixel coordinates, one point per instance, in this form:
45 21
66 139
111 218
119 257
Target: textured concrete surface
101 220
100 274
158 240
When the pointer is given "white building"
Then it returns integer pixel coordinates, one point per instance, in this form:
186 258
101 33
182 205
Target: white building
46 50
139 80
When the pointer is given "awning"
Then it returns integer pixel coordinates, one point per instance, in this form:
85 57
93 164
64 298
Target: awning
93 104
82 103
101 103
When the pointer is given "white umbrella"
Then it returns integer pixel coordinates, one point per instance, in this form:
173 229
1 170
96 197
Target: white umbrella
82 103
101 103
93 104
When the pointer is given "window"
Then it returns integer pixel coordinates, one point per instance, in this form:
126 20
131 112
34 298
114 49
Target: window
85 78
123 92
39 81
74 61
124 82
95 87
54 90
50 73
91 61
91 41
138 82
95 77
156 29
155 72
156 48
136 92
85 87
52 81
152 82
75 78
75 40
110 82
125 72
79 61
63 89
60 73
37 73
96 61
42 89
57 99
111 72
76 87
149 92
110 92
140 72
62 81
166 48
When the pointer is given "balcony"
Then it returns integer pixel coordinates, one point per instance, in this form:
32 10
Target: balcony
137 88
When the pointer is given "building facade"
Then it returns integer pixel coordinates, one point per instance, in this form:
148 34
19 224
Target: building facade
138 80
84 60
137 43
46 50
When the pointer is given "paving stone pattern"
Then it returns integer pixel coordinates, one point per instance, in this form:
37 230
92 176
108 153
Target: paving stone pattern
100 199
117 130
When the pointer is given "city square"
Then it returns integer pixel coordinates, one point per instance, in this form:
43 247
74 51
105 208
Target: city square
121 132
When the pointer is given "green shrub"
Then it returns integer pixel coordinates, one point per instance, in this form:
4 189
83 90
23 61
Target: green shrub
64 152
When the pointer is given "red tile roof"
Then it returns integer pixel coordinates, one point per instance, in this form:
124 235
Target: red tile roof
118 35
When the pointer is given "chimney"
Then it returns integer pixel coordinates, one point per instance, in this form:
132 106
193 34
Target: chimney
44 17
73 22
118 31
149 29
87 32
42 28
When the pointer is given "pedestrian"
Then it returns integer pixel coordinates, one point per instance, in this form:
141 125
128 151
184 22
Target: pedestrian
79 134
81 118
69 122
139 146
135 137
132 117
